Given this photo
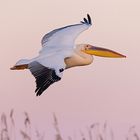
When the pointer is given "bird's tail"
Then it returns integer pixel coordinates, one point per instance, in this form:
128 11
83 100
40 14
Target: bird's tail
21 65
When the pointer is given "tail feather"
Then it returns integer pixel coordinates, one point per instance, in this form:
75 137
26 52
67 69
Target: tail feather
21 65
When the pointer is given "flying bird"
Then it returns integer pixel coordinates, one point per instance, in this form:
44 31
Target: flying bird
59 52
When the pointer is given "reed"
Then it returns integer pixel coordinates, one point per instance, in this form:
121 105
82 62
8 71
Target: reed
95 131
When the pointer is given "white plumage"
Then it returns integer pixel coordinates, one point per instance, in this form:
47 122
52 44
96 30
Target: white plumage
59 52
56 46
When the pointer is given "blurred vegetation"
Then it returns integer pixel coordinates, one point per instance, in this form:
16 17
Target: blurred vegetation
95 131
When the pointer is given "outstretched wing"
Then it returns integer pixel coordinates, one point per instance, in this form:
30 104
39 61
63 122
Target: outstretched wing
64 37
44 76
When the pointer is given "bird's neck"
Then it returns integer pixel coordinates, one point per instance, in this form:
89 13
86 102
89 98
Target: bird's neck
87 59
78 59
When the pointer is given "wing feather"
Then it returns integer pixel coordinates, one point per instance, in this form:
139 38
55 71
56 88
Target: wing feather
64 38
44 77
85 20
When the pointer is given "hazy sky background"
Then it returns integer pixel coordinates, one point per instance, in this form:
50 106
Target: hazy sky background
109 89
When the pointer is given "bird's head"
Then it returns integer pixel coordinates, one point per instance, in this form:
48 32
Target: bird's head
98 51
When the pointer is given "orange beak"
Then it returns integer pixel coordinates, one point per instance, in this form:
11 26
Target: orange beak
102 52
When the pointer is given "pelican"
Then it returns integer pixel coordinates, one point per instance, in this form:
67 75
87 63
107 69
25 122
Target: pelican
59 52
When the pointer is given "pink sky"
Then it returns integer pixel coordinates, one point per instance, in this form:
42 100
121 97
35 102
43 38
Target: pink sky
109 89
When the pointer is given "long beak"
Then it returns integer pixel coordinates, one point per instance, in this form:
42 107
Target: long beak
102 52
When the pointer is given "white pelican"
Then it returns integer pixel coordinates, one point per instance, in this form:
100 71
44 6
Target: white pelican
59 53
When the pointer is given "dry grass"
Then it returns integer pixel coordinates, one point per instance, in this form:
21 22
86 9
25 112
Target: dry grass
95 131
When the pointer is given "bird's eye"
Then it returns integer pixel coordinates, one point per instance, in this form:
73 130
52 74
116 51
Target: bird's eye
86 47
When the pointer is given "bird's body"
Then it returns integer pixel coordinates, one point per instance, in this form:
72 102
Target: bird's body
59 52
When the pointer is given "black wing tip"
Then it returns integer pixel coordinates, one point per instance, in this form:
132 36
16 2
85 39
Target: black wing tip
87 21
38 94
41 88
38 91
